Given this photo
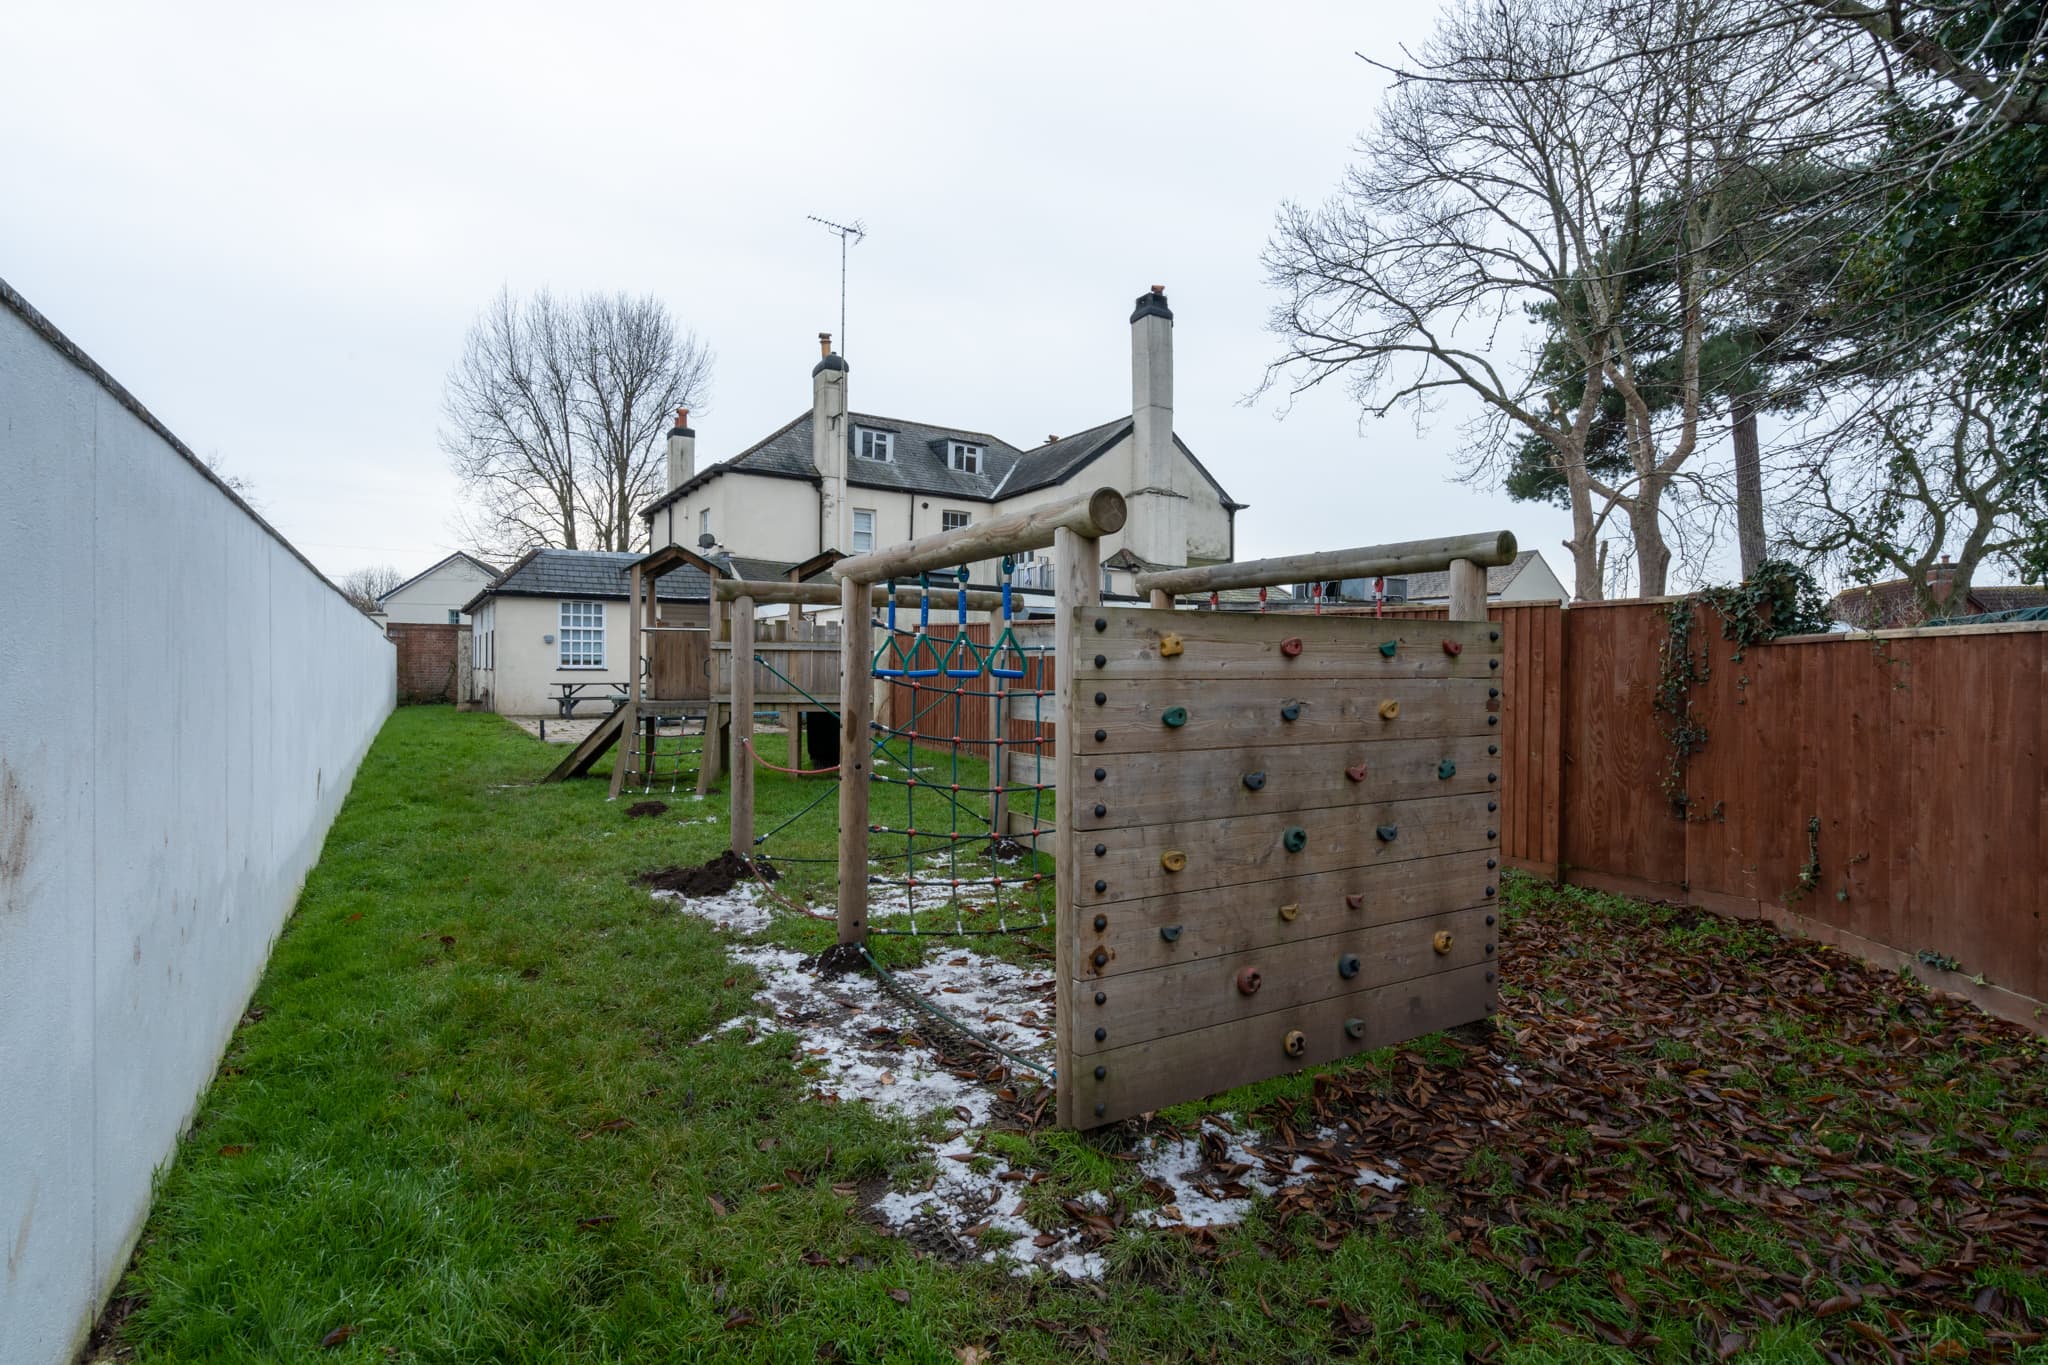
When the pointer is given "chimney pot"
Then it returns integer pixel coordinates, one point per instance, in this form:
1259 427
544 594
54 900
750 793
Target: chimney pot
682 417
1050 437
824 343
1159 289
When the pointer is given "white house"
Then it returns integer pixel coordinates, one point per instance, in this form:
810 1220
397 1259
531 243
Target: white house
437 595
836 479
1525 578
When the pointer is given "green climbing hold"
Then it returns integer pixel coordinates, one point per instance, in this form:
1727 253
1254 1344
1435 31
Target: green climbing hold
1173 717
1295 839
1387 649
1446 770
1354 1028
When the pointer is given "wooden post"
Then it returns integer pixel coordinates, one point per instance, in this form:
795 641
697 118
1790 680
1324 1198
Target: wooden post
1076 568
792 714
708 763
1161 600
1468 591
856 750
629 724
742 786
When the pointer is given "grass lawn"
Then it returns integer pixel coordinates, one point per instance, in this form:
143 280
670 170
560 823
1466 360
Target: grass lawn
473 1114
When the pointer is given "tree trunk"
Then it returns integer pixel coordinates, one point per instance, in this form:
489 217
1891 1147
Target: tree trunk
1653 556
1749 485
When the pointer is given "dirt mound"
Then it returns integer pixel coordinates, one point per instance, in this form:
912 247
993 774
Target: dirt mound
647 808
713 878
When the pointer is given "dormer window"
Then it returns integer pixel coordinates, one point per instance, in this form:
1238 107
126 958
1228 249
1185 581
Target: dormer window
964 457
869 444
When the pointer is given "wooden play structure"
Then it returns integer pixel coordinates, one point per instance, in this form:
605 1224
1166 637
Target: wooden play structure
1277 836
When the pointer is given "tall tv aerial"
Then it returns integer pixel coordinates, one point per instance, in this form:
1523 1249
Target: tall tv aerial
848 234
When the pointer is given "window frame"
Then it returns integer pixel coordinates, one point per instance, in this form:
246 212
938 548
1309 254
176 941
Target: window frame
946 522
867 441
869 513
964 457
574 614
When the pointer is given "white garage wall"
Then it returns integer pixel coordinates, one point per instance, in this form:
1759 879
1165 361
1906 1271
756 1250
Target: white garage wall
183 701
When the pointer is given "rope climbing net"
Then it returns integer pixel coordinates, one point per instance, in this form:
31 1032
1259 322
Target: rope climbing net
976 789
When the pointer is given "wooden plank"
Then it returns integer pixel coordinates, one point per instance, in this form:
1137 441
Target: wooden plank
1100 512
1364 561
590 748
1076 558
1204 784
856 711
1231 919
1232 851
1176 998
1145 1076
741 805
1131 717
1230 645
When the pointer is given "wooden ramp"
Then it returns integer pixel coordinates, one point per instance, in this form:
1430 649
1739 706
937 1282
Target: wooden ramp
591 748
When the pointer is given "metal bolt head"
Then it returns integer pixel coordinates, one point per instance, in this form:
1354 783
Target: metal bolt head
1101 1034
1101 698
1101 660
1101 1109
1101 773
1100 810
1100 886
1100 959
1101 923
1100 997
1101 735
1101 849
1101 1072
1101 625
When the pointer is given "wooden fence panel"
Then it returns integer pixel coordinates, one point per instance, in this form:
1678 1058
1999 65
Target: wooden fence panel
1618 829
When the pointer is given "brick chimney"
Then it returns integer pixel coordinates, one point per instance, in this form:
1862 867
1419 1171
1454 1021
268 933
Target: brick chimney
682 451
1941 580
829 445
1158 529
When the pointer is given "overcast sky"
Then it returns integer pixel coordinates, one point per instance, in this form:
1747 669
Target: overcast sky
274 226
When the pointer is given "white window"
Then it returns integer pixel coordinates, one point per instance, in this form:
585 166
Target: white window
454 616
950 520
863 530
874 445
582 637
703 521
964 457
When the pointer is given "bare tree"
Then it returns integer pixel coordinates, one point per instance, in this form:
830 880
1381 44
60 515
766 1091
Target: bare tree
1574 161
1906 480
364 586
556 413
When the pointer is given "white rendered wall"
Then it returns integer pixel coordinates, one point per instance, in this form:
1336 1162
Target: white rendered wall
183 702
428 601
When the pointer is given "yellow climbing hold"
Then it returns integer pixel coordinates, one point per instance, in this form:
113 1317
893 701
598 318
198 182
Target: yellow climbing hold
1390 708
1173 860
1288 912
1442 941
1169 645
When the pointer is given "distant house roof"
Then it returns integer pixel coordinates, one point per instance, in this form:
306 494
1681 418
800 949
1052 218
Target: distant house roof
1890 605
921 463
488 571
588 574
1428 587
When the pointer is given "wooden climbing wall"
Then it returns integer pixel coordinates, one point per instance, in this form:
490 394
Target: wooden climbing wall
1279 846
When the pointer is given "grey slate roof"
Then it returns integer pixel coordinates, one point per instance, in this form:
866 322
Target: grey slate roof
920 464
1427 587
589 574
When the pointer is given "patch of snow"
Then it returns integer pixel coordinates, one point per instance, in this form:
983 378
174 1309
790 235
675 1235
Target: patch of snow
743 910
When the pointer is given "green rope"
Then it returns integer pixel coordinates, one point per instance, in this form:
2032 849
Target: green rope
904 993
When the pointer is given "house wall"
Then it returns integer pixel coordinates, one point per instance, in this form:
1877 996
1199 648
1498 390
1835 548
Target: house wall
525 666
1536 583
429 601
187 703
763 518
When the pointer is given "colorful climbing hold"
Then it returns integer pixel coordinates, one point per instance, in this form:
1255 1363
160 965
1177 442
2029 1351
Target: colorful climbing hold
1173 860
1173 717
1291 711
1169 645
1295 1043
1442 942
1290 911
1388 833
1254 781
1170 932
1295 839
1354 900
1249 981
1290 648
1356 772
1354 1028
1347 966
1389 709
1453 648
1388 647
1446 770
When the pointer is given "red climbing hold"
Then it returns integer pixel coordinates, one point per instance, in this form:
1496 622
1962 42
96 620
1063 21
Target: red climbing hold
1291 647
1454 648
1248 981
1356 772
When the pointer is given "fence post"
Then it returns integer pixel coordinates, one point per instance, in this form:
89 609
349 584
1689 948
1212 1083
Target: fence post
1468 591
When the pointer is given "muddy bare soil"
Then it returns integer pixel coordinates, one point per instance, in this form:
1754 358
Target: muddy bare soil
713 878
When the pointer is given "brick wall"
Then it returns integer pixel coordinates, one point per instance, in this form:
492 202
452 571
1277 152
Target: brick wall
426 661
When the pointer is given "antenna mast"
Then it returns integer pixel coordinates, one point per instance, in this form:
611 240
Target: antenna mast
846 233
